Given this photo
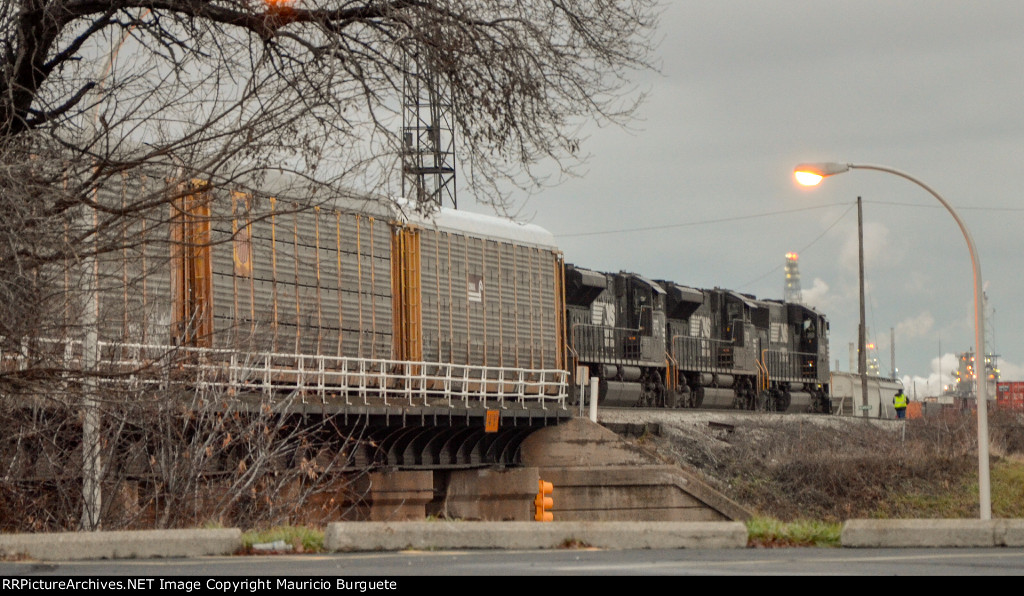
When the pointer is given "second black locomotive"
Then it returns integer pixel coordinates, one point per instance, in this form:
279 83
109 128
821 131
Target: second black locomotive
656 343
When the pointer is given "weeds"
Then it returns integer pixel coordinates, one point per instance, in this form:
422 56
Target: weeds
769 533
299 539
788 469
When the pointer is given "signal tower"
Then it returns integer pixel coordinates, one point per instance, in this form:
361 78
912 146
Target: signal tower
793 292
428 136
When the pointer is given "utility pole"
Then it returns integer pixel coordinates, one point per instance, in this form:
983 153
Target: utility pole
862 360
892 351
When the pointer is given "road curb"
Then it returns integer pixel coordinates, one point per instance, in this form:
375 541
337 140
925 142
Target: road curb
437 535
75 546
896 533
440 535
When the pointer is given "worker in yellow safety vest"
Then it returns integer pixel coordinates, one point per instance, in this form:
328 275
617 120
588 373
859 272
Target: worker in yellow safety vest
899 401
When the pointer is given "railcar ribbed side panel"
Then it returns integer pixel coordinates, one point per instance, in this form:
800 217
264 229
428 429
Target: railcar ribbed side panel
282 278
488 301
320 282
132 280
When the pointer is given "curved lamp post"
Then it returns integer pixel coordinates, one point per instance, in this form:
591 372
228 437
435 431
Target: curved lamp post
810 174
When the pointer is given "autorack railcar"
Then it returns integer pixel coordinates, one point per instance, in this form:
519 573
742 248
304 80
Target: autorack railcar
351 296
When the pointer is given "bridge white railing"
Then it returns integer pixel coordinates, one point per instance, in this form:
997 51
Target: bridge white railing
354 381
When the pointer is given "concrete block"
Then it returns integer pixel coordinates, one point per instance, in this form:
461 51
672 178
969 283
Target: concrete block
580 442
876 533
1009 532
441 535
494 495
637 493
75 546
394 496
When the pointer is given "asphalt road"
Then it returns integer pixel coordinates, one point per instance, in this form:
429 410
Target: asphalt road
216 574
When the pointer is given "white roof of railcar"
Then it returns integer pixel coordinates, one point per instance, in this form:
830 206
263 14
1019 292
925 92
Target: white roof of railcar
446 219
477 224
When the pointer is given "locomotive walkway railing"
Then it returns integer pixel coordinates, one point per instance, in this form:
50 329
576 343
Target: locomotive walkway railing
791 366
709 355
607 344
352 381
702 353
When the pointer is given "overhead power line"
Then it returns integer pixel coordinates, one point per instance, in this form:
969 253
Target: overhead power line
692 223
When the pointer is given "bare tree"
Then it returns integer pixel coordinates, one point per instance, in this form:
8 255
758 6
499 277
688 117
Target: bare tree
180 95
229 91
313 85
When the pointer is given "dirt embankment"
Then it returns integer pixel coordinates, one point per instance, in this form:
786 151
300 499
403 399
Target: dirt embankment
797 466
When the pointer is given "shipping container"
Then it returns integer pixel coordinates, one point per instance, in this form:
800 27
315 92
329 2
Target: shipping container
1010 395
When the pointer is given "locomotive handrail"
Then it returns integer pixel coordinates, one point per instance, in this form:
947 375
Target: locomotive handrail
699 353
785 365
370 380
671 372
763 376
605 344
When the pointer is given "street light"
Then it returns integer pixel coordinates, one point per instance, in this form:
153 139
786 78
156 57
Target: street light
810 174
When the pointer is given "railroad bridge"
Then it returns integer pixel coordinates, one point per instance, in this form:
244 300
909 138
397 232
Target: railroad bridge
419 439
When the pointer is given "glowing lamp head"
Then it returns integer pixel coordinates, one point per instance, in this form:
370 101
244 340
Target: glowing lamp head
811 174
278 7
808 178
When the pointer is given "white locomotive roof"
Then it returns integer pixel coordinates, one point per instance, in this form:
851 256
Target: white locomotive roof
477 224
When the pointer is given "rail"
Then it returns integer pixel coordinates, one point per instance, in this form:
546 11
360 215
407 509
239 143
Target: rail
365 381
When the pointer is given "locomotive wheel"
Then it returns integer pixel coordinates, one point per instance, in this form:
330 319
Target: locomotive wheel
820 404
671 399
574 395
782 401
697 397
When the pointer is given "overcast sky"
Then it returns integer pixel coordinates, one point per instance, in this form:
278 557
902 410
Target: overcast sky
701 192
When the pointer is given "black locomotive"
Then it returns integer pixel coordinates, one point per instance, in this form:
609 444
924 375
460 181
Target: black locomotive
657 343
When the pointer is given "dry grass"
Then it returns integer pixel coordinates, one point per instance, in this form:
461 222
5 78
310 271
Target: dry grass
793 468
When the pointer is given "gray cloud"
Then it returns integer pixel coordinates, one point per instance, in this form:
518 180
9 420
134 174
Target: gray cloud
749 89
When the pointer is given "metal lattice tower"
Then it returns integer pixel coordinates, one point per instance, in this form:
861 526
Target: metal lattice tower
428 137
793 292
